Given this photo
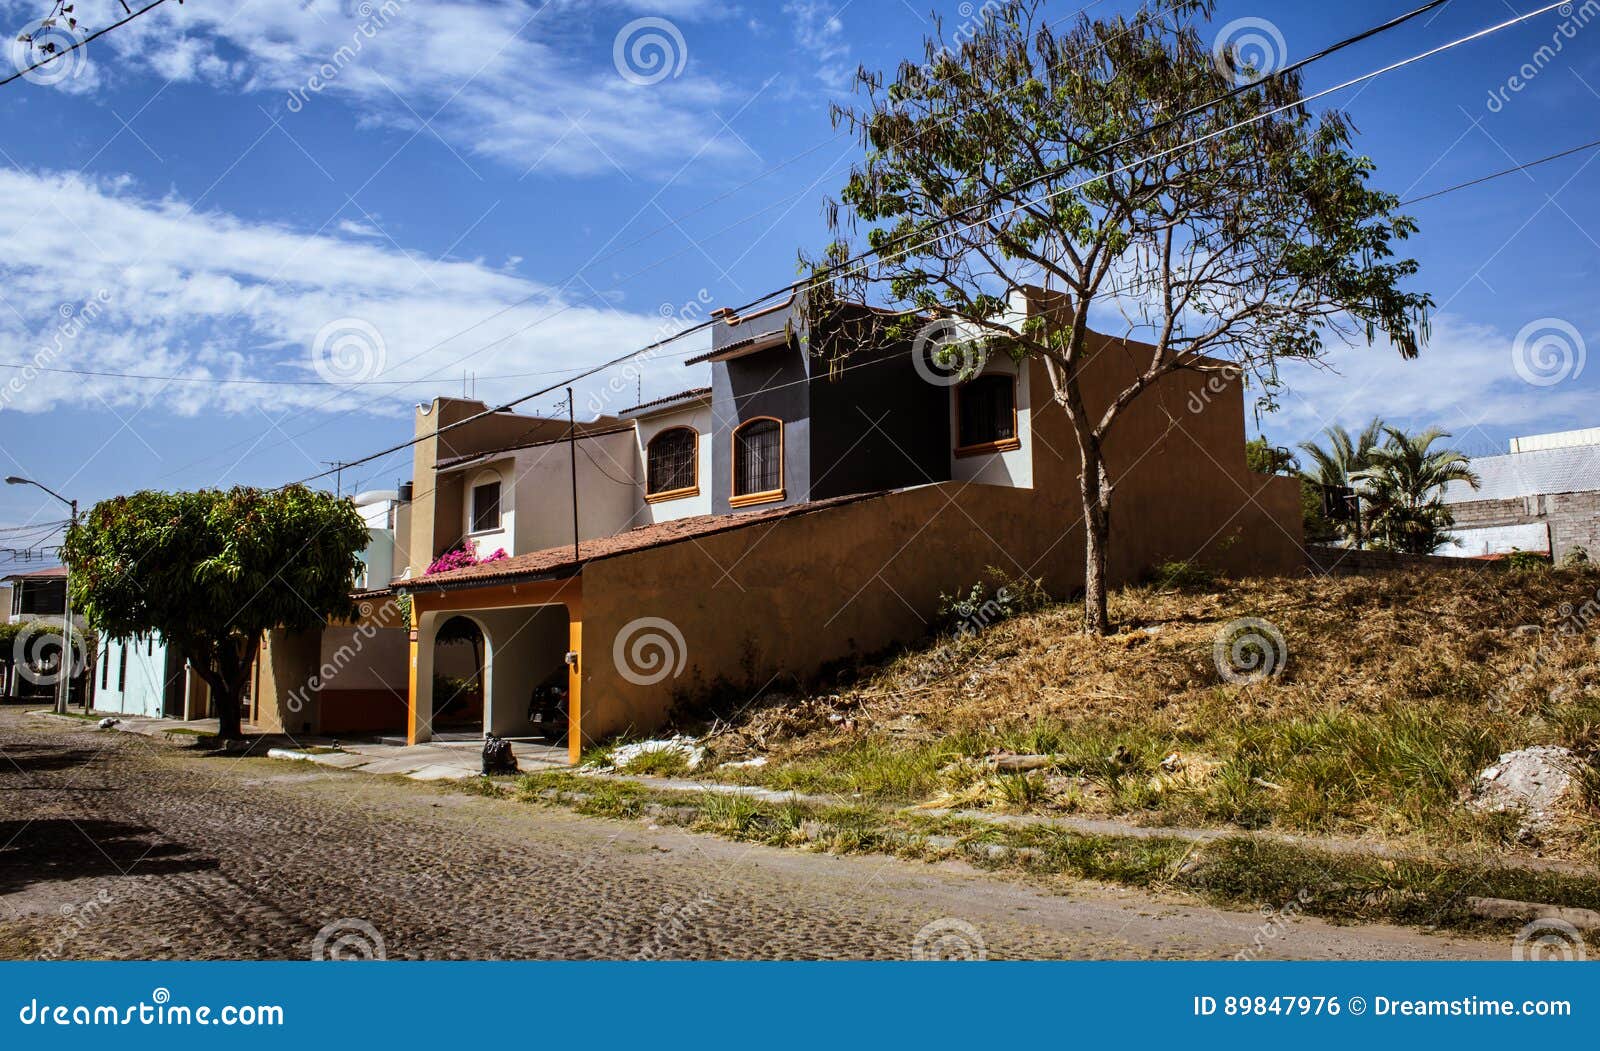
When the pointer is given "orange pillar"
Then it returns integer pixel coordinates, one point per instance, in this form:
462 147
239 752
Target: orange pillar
411 679
575 682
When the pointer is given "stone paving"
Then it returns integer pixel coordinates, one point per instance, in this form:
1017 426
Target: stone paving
124 846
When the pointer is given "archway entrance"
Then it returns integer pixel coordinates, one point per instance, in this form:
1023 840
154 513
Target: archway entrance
460 653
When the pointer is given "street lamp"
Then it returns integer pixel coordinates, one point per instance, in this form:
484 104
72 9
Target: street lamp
64 695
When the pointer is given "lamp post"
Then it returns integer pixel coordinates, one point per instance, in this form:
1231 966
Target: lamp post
64 694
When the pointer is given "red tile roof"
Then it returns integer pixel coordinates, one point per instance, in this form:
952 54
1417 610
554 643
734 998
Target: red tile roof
556 562
687 395
53 573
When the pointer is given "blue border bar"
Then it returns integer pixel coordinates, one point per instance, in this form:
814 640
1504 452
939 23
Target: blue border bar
665 1005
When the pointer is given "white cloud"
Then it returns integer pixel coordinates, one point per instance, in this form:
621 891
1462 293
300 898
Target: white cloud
1465 381
526 83
819 30
97 278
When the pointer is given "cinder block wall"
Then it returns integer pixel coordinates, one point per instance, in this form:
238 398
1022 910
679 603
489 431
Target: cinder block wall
1573 518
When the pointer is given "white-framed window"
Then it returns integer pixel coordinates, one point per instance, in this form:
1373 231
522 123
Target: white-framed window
484 506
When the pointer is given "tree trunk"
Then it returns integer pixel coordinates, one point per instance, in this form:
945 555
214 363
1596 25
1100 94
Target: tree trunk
1096 489
230 725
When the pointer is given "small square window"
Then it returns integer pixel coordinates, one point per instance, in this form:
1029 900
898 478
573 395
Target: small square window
485 507
986 413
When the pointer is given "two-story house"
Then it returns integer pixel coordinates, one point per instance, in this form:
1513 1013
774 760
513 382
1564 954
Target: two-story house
796 512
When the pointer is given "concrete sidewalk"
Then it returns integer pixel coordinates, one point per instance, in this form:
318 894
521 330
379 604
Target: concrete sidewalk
434 761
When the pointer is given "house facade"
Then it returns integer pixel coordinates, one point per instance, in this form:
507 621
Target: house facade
1541 496
789 516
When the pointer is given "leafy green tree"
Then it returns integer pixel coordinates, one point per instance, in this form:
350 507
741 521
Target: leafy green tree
212 570
1096 163
1403 485
1337 466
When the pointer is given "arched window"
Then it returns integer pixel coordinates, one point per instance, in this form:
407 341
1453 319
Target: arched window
757 462
986 414
671 462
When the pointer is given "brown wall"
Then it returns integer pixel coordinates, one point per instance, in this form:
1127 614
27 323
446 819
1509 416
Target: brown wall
793 594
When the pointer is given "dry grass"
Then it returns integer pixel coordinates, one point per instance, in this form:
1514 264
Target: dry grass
1396 691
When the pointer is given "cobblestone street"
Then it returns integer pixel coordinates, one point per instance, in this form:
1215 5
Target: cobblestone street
120 846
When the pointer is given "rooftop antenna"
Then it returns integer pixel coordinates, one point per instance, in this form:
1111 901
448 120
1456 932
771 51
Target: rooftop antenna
338 475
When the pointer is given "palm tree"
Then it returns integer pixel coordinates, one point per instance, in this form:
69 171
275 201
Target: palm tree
1338 465
1404 487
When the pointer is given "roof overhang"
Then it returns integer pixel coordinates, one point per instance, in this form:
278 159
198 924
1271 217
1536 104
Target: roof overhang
745 347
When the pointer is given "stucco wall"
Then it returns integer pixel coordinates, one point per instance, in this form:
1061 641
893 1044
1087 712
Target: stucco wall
699 419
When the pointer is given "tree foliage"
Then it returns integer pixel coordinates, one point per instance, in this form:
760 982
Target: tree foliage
1403 486
212 570
1111 162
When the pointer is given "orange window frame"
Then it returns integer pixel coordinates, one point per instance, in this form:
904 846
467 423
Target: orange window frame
735 498
1001 445
684 491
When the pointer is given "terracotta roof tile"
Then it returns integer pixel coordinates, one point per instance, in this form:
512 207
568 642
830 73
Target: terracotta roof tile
557 562
687 395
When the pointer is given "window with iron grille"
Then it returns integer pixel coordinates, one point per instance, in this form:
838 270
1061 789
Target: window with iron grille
758 457
672 459
485 507
986 411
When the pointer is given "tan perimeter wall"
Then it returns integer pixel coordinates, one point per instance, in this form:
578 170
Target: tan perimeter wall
788 596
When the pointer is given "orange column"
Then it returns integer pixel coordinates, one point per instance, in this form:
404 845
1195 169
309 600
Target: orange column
411 678
575 683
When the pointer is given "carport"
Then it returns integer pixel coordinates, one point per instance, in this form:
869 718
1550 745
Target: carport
532 633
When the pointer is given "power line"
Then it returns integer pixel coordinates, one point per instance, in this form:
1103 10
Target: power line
848 265
97 34
227 380
1500 174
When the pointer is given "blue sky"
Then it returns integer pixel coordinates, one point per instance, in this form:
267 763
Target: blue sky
510 189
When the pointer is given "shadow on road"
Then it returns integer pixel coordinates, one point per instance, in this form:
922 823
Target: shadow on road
15 761
50 849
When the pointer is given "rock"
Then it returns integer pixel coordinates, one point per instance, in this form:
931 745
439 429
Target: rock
1527 629
1538 783
1018 764
1524 911
691 750
746 764
108 722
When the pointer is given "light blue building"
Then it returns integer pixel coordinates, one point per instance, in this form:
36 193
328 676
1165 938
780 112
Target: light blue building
140 676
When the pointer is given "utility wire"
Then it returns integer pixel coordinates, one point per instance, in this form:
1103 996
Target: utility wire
96 35
1500 174
855 262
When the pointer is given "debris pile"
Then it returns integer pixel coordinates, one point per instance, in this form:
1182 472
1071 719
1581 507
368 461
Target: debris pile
692 751
1539 783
